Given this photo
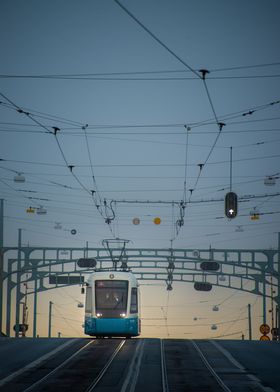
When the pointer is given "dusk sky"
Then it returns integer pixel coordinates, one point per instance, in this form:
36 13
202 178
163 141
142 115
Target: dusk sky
83 84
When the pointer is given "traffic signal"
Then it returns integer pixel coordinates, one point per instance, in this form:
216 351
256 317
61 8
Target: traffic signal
210 266
202 286
87 262
231 205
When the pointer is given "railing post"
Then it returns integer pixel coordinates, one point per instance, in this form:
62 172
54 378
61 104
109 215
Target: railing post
35 307
18 285
9 292
50 319
264 299
249 322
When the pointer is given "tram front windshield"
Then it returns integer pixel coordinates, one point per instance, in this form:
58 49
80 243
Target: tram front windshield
111 298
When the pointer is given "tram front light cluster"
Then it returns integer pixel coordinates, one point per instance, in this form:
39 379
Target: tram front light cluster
98 315
123 315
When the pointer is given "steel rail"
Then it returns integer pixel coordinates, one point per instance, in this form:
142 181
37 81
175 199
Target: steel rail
38 382
210 368
105 368
131 379
165 387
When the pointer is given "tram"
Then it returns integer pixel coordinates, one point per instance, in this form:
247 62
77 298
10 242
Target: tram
112 305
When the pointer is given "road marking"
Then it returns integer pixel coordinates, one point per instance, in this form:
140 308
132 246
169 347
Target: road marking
35 363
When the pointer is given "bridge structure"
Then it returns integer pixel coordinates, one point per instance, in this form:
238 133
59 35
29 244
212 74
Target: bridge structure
46 268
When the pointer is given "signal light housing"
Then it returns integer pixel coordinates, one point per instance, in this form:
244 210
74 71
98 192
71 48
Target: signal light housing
231 205
210 266
87 263
202 286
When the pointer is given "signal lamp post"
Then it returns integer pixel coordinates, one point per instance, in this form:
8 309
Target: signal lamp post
50 319
249 322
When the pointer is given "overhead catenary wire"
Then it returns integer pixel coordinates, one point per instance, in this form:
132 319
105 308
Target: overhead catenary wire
36 113
95 188
66 320
157 39
201 75
198 75
54 131
52 183
136 165
70 105
228 116
105 211
85 75
242 310
196 325
139 79
104 135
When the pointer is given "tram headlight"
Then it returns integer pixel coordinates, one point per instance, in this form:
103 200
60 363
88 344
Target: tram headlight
98 315
123 315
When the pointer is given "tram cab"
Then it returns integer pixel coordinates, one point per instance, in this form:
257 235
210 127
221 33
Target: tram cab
112 301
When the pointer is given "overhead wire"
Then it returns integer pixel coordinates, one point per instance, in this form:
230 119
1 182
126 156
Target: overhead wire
95 188
201 74
54 131
105 211
39 174
213 147
197 325
84 75
206 122
239 315
157 39
137 165
66 320
139 79
35 113
197 74
197 133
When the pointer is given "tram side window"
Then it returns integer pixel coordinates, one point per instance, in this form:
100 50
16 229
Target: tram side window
134 301
88 307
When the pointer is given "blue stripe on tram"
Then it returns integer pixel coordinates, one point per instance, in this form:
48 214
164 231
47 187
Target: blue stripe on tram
112 326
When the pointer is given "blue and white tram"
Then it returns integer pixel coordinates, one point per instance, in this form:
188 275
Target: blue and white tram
111 309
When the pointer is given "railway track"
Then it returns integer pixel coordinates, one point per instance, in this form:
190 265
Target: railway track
202 366
215 375
164 379
184 367
81 371
137 365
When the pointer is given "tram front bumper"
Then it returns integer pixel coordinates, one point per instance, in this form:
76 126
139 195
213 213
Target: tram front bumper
112 326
